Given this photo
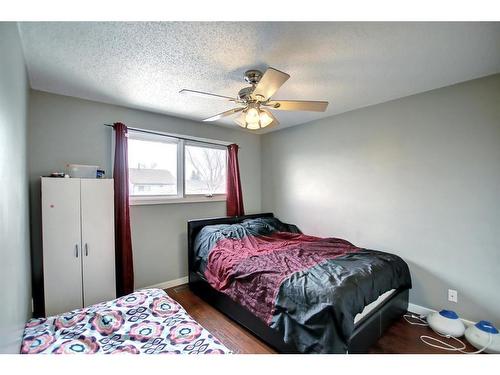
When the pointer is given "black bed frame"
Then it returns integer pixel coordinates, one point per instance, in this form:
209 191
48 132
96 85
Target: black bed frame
366 332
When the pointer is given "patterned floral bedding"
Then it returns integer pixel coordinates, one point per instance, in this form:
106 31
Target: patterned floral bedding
146 321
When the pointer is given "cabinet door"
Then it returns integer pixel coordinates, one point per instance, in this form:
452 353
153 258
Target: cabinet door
98 240
62 265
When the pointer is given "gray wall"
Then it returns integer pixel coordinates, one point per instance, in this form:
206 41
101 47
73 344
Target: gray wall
14 226
418 176
70 130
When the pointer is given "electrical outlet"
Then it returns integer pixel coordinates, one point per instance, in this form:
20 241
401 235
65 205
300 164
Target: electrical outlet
452 295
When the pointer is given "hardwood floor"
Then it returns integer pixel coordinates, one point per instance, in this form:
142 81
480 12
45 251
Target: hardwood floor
234 336
400 338
403 338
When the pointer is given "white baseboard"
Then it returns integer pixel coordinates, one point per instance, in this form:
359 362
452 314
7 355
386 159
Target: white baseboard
168 284
421 310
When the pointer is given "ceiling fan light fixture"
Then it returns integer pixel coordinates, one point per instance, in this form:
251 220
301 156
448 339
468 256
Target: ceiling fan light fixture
265 119
240 120
252 115
253 125
254 118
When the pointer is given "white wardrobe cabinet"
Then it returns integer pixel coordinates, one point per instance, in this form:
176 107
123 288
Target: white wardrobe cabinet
78 243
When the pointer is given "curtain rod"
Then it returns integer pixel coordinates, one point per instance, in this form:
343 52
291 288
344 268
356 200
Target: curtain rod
175 136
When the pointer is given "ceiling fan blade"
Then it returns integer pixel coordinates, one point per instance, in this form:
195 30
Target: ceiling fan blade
224 114
297 105
270 82
206 95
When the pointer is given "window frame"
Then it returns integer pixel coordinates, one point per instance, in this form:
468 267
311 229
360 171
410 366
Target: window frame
181 196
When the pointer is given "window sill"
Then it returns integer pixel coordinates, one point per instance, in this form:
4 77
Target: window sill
143 201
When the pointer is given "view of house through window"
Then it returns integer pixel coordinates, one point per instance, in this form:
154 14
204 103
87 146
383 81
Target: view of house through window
152 167
171 167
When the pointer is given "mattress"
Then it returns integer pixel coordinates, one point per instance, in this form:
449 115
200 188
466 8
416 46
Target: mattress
366 310
372 306
147 321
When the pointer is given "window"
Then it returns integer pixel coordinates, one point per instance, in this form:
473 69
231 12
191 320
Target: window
166 169
205 170
152 167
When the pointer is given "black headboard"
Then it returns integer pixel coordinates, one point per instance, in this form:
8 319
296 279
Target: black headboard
194 227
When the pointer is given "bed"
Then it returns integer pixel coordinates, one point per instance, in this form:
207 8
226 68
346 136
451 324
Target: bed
298 293
147 321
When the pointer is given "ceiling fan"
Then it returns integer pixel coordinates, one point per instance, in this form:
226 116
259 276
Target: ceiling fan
255 101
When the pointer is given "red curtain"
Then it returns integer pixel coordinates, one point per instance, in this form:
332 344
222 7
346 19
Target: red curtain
234 202
123 239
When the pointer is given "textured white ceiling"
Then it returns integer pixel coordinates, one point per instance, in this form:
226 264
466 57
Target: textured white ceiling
352 65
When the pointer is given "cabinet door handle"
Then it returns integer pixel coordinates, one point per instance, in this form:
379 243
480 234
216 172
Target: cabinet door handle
86 250
76 250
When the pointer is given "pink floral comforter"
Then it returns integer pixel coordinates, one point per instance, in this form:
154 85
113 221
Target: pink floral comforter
147 321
